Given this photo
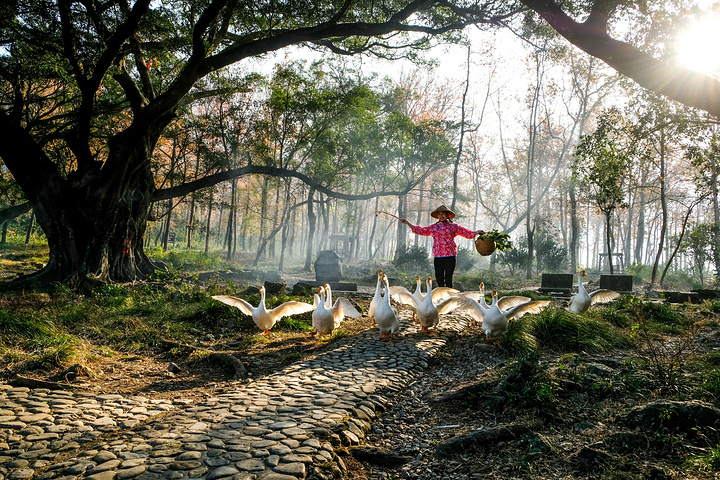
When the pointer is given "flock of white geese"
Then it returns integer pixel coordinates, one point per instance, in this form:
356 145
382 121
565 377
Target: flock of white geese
427 307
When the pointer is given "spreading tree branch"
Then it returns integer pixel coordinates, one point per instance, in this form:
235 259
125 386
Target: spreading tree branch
680 84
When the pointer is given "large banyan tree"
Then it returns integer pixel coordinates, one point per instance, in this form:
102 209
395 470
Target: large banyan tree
88 88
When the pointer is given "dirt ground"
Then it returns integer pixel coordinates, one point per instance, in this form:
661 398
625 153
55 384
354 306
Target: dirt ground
185 372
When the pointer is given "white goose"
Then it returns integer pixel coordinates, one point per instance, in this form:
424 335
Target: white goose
386 315
430 306
581 301
264 318
495 321
418 289
474 304
325 320
377 298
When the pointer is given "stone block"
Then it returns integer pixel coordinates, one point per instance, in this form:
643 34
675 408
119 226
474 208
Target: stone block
556 283
328 267
617 283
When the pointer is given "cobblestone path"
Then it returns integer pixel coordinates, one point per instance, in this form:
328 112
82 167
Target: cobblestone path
285 426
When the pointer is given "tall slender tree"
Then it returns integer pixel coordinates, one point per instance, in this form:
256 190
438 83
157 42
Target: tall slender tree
602 163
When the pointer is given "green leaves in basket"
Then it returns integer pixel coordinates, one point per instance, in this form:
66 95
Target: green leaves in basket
502 240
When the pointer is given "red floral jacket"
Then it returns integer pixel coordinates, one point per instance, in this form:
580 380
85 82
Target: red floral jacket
444 234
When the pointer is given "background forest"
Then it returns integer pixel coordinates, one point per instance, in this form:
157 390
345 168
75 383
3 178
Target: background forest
272 159
541 183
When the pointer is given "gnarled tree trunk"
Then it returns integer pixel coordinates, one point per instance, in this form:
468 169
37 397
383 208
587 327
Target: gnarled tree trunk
94 219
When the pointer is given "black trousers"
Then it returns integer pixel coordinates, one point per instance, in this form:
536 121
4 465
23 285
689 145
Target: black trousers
444 269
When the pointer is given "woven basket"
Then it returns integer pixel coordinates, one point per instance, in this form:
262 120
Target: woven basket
485 246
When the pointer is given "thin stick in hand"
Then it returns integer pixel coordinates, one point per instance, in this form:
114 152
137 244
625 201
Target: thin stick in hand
386 213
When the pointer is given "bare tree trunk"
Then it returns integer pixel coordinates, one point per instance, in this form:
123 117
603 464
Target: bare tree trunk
284 224
276 214
716 216
208 224
608 240
191 218
456 167
263 212
221 239
681 235
359 216
311 231
574 230
291 234
228 235
159 232
640 233
530 172
421 207
663 209
188 226
400 232
627 238
31 224
562 216
245 240
596 242
370 250
232 222
166 229
325 214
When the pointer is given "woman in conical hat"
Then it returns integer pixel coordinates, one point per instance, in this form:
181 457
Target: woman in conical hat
444 248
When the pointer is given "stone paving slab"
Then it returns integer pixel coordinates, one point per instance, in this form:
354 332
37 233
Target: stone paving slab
285 426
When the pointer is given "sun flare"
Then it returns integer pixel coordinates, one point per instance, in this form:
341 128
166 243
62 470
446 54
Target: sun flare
698 48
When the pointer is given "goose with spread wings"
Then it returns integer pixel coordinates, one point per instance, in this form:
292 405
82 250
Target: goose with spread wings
581 301
495 320
427 309
474 304
264 318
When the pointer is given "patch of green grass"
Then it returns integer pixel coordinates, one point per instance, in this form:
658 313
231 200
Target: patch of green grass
518 339
21 324
11 355
706 376
53 352
76 315
709 461
566 331
206 313
710 384
525 382
662 317
339 334
711 359
112 295
616 316
294 324
561 330
189 260
712 305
